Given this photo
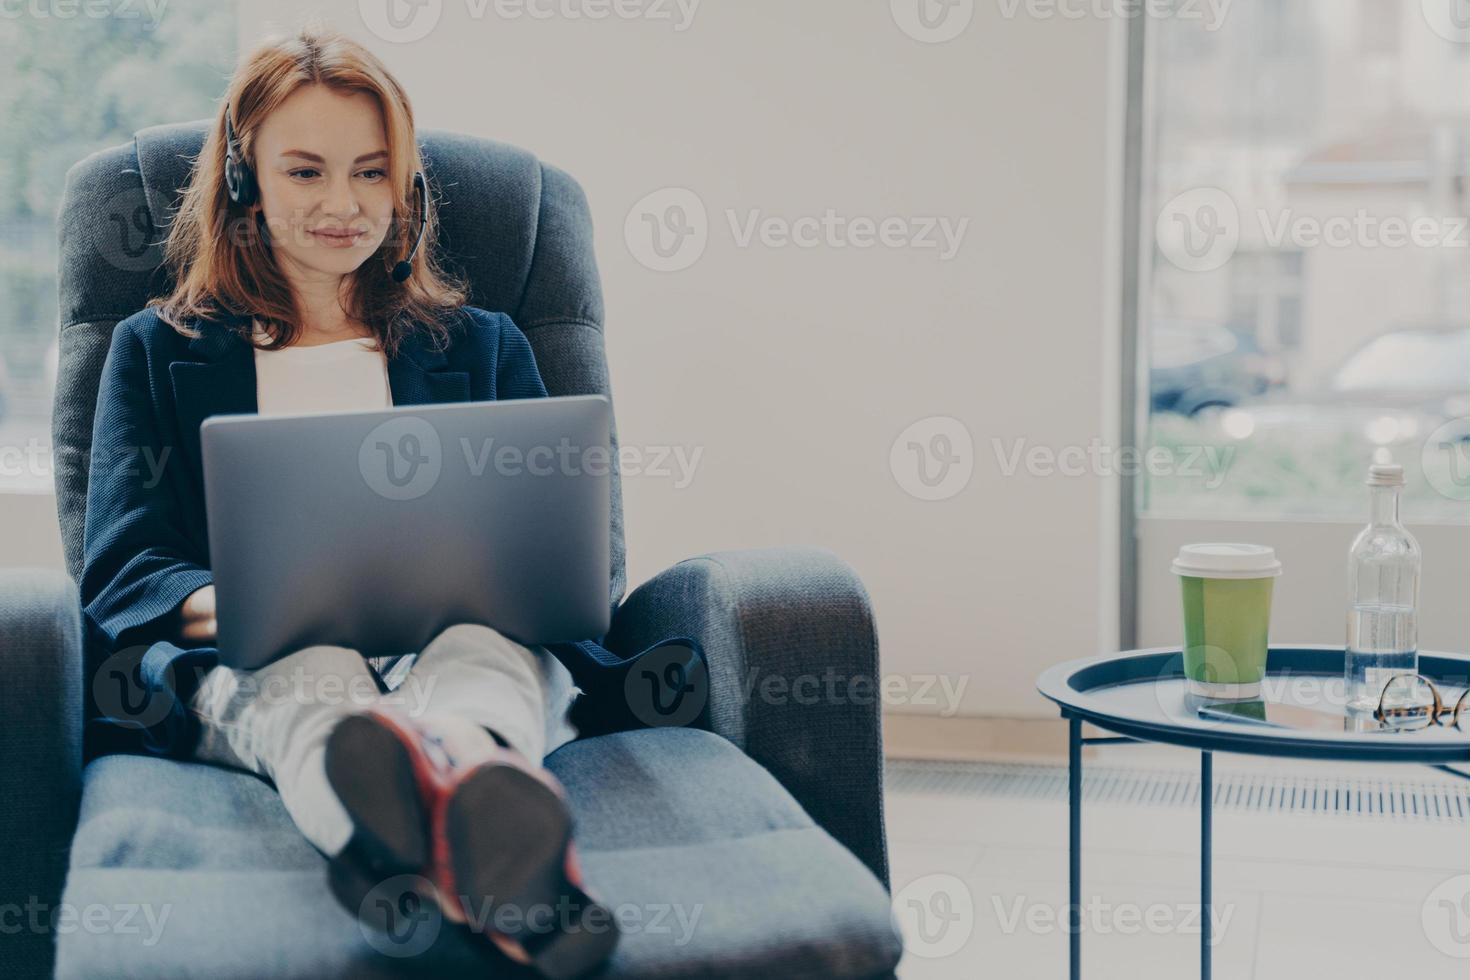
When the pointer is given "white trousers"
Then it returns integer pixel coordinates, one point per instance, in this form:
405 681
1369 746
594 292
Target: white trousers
274 721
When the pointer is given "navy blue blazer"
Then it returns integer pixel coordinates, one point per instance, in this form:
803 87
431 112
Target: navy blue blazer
145 547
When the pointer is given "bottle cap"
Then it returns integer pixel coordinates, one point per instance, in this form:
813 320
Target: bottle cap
1227 561
1385 475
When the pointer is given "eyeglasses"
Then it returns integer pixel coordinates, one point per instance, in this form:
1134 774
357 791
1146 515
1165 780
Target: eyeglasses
1411 702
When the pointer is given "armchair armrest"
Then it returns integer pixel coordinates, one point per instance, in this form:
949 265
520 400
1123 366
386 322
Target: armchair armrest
792 652
41 738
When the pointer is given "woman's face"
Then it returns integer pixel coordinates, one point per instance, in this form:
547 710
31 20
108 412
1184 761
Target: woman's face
321 162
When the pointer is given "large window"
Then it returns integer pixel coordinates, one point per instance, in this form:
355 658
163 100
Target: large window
1305 304
75 78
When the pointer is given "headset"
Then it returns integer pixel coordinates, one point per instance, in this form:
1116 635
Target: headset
240 183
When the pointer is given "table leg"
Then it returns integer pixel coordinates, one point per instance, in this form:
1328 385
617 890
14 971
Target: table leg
1074 803
1206 809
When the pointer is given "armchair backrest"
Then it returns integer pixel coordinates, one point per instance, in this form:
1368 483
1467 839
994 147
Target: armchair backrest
518 230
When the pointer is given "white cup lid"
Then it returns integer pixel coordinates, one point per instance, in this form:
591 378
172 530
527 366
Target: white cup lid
1217 560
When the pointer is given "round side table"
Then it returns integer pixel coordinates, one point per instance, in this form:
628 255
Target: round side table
1140 696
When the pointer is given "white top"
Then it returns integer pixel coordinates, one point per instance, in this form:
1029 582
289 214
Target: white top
344 375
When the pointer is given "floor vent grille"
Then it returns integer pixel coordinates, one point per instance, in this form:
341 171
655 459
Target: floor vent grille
1401 799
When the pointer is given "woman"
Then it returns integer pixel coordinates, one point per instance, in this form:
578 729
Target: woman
296 275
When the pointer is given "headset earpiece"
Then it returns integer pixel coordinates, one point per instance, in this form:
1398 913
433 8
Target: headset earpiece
239 178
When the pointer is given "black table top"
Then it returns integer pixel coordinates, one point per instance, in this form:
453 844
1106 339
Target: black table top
1142 694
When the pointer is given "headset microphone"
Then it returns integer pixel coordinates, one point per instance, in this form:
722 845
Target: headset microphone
404 269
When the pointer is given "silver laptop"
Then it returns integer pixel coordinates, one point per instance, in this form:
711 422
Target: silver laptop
377 529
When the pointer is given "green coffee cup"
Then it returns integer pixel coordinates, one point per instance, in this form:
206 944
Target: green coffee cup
1227 614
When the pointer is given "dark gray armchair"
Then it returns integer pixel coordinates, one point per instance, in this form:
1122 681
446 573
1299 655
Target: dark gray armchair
753 848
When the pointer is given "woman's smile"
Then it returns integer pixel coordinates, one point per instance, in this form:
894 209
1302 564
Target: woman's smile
337 237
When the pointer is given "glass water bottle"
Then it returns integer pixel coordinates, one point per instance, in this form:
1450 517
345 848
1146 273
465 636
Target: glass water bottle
1383 589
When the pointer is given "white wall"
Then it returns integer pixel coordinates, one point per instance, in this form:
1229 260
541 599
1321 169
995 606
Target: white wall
796 369
30 533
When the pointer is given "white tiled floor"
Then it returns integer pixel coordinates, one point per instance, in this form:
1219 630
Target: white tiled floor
1296 895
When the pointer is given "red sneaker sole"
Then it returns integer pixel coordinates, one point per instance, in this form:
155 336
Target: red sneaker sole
371 771
508 835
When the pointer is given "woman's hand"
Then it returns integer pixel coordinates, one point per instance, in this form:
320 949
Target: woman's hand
196 615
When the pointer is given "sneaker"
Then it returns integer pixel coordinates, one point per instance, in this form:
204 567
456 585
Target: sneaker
483 833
